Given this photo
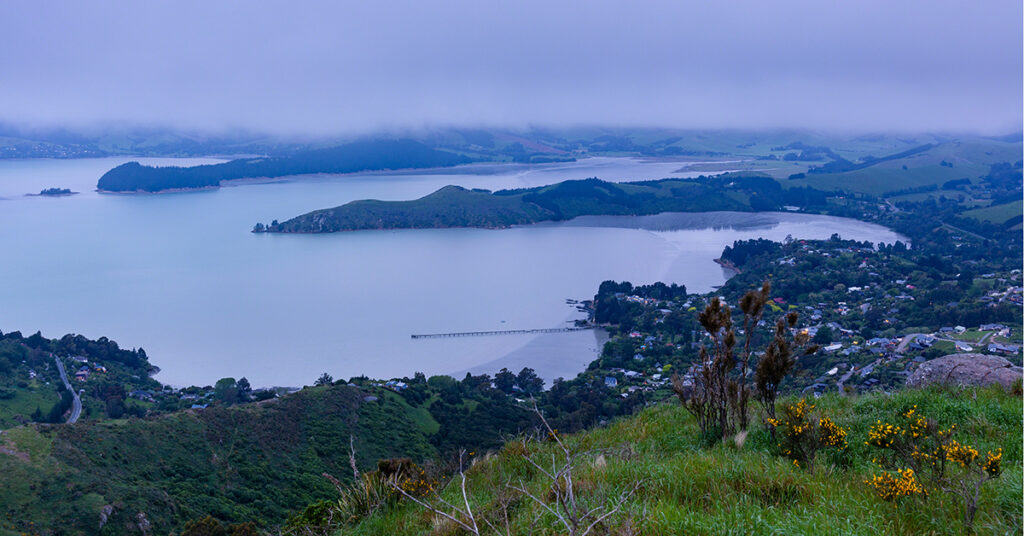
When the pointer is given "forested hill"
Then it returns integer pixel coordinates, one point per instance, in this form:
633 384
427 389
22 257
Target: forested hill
453 206
348 158
253 462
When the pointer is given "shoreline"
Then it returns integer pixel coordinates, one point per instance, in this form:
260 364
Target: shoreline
719 219
728 265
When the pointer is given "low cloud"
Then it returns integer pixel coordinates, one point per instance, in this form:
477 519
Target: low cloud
299 68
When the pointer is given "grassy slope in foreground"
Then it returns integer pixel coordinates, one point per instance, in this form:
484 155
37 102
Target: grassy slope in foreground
453 206
348 158
689 488
254 462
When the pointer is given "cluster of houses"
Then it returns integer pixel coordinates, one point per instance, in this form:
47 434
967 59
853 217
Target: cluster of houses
1012 294
631 381
85 368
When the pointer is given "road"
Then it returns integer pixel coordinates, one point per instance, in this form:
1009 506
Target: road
863 371
907 339
76 404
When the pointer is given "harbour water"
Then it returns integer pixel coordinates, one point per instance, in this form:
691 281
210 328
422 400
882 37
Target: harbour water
180 274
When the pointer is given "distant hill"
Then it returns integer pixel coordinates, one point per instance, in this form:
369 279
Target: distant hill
453 206
348 158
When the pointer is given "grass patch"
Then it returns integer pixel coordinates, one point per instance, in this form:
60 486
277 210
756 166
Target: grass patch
997 214
25 402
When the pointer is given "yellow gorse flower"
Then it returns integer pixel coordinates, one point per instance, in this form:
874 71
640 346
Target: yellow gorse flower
890 488
830 434
993 463
883 435
960 453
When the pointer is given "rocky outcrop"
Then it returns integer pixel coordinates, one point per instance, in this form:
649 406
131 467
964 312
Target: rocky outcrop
966 369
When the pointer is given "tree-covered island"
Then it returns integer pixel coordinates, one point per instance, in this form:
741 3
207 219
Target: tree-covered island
454 206
349 158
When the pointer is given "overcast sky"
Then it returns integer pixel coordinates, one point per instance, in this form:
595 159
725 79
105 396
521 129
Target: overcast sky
342 67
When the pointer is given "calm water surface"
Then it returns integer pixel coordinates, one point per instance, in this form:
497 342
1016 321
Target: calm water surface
180 275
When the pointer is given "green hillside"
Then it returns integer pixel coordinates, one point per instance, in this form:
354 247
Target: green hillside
686 485
941 163
253 462
997 214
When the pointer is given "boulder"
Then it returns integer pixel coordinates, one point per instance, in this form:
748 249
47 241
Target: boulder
966 369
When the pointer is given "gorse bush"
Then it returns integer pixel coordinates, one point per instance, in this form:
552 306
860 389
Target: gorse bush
367 494
802 434
917 447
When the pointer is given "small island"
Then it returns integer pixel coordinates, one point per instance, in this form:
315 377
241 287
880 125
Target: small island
54 192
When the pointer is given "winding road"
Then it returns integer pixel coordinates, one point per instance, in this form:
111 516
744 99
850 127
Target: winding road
76 404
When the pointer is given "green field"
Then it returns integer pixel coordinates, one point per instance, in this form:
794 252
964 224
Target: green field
997 214
25 402
969 160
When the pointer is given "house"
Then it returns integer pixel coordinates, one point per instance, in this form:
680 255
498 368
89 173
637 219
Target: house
199 406
610 381
991 327
1004 349
141 395
833 347
396 385
963 347
638 357
79 359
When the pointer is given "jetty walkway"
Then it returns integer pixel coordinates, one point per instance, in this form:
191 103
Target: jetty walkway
499 332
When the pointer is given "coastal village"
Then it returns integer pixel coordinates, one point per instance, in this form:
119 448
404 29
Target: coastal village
865 340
